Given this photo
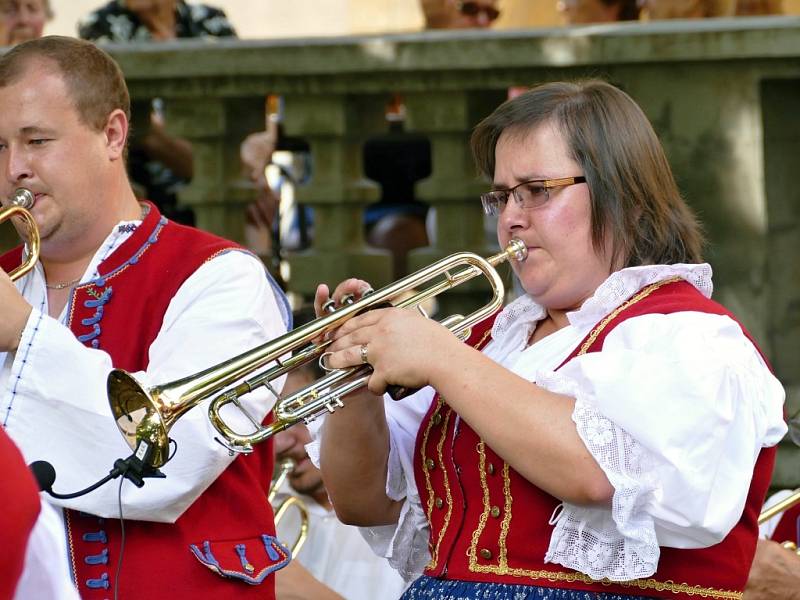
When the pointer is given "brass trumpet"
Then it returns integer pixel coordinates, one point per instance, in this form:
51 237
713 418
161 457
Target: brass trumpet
779 507
21 202
145 415
286 466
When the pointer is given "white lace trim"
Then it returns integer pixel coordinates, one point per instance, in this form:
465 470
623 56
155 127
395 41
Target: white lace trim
620 544
619 286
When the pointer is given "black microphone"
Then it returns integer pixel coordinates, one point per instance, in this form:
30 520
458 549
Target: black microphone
132 468
44 473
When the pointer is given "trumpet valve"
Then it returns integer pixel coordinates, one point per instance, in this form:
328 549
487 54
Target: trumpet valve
334 403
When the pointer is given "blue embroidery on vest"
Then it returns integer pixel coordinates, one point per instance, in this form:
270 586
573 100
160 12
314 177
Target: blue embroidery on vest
97 559
240 550
99 583
97 302
269 542
90 336
206 555
99 299
95 536
95 318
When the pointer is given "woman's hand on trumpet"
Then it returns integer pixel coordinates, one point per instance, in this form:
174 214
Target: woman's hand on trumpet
380 337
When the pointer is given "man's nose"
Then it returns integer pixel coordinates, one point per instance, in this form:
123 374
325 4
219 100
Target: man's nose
18 167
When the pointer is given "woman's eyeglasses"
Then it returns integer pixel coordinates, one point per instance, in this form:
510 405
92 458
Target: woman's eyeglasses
528 194
473 9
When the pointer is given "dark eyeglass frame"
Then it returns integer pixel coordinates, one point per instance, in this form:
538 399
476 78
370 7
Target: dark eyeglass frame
470 8
494 201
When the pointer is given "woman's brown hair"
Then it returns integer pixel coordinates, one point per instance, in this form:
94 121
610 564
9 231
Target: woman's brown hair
635 201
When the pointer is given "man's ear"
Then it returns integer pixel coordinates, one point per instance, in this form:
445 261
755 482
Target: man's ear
116 132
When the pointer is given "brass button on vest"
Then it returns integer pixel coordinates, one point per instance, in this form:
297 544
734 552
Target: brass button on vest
495 512
486 553
490 469
429 464
437 418
439 503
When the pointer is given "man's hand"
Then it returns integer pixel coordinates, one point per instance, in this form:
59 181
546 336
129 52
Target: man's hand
16 311
775 573
294 582
256 151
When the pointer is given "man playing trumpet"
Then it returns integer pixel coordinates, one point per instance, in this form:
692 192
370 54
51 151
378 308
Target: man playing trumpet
120 286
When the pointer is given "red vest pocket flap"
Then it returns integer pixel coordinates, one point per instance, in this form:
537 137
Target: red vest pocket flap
249 560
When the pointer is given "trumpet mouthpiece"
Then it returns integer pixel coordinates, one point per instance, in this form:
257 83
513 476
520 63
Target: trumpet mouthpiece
517 249
22 197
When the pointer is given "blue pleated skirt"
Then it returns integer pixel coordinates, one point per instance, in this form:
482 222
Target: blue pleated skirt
430 588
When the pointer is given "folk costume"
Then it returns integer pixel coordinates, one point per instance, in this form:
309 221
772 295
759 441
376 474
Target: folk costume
674 402
162 301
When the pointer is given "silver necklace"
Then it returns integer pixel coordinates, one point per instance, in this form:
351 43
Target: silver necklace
61 286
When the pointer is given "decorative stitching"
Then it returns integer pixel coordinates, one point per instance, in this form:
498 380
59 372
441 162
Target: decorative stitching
97 559
473 559
27 352
95 318
428 486
90 336
448 495
434 550
240 550
505 526
598 329
271 545
95 536
99 583
71 546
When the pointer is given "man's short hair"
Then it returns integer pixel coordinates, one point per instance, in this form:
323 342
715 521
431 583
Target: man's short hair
95 82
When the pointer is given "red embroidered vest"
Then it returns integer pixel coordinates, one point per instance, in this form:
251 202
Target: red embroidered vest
489 524
225 539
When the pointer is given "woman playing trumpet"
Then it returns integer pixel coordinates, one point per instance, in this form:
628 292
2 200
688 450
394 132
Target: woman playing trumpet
613 423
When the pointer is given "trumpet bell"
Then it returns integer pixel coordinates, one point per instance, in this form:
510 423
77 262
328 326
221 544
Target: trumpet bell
141 417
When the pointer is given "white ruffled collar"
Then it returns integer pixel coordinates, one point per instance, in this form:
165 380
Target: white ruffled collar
523 313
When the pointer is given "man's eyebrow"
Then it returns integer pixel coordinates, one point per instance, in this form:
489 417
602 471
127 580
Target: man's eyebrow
36 130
